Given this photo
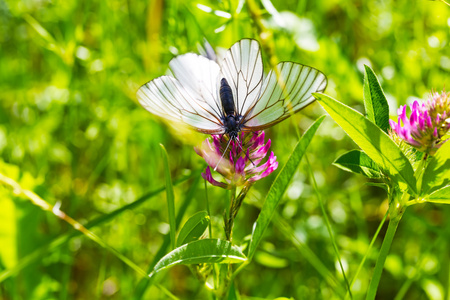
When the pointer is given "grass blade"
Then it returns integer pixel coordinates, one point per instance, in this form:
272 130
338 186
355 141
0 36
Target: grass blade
279 187
170 197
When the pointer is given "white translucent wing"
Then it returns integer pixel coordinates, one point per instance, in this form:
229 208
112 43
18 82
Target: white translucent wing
168 98
199 75
243 69
284 95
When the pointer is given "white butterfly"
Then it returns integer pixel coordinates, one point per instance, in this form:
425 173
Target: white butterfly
232 97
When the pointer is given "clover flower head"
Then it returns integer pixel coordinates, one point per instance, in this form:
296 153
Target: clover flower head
240 164
427 127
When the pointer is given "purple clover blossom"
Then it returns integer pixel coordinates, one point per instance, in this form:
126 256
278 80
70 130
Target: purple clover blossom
439 109
428 126
240 165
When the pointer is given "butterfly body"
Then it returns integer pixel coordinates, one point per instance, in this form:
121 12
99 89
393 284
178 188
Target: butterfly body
231 97
231 121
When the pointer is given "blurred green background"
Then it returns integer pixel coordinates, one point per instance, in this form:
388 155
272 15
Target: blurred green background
72 131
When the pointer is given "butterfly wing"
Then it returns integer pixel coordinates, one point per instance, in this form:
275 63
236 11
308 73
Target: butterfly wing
283 94
243 69
191 98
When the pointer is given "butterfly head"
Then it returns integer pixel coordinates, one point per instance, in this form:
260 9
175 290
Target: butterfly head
232 126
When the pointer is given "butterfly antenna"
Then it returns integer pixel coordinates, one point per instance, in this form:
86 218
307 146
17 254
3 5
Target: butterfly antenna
228 144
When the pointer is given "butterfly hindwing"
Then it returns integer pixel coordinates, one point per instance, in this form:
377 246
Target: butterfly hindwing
284 94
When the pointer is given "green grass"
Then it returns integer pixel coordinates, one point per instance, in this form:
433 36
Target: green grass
72 131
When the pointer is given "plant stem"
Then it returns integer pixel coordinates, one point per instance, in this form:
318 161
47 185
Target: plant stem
208 210
381 260
228 217
235 204
224 273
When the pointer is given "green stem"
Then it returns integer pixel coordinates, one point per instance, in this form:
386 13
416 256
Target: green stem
208 210
228 218
235 204
387 242
418 201
225 270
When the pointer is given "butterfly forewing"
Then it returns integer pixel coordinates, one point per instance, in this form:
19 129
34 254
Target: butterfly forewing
166 97
284 94
243 69
200 76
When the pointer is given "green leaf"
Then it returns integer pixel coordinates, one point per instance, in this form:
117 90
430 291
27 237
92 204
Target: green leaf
193 229
375 142
437 173
377 108
170 197
279 186
357 161
440 196
201 251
